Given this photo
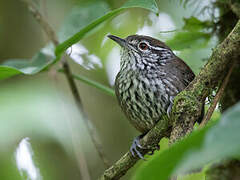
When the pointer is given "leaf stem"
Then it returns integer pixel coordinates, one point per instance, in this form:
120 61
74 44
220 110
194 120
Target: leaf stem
93 83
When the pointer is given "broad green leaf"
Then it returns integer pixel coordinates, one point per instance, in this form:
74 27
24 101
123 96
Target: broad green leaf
22 66
210 144
186 40
194 24
146 4
79 19
80 16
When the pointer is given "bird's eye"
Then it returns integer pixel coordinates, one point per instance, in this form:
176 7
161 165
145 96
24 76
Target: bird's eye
143 46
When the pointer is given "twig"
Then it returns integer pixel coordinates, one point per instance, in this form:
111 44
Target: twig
217 98
44 8
52 35
38 16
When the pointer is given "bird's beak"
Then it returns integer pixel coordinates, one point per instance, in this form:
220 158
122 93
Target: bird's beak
120 41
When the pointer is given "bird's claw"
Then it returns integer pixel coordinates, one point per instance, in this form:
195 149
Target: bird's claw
136 145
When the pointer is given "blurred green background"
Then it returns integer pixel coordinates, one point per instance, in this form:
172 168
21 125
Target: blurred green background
41 108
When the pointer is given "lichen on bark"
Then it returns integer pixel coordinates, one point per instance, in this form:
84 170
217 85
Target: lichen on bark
186 110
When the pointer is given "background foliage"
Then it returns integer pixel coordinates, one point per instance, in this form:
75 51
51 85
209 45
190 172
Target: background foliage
40 106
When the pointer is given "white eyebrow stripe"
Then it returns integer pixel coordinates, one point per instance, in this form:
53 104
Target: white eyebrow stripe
154 47
158 48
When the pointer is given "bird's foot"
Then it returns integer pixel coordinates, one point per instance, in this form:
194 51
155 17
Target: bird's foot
136 145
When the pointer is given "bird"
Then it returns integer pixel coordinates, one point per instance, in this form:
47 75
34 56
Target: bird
149 79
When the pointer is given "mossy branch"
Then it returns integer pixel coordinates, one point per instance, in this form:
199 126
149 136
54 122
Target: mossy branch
188 104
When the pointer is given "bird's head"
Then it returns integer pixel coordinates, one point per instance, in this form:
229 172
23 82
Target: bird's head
143 50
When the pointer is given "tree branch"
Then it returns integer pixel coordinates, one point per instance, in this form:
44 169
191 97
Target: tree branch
188 104
53 37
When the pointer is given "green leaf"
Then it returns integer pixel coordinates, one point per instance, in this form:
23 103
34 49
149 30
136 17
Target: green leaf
146 4
185 40
194 24
80 16
193 176
210 144
22 66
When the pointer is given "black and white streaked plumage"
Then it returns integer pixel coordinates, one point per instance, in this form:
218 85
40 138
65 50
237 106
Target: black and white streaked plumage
150 76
